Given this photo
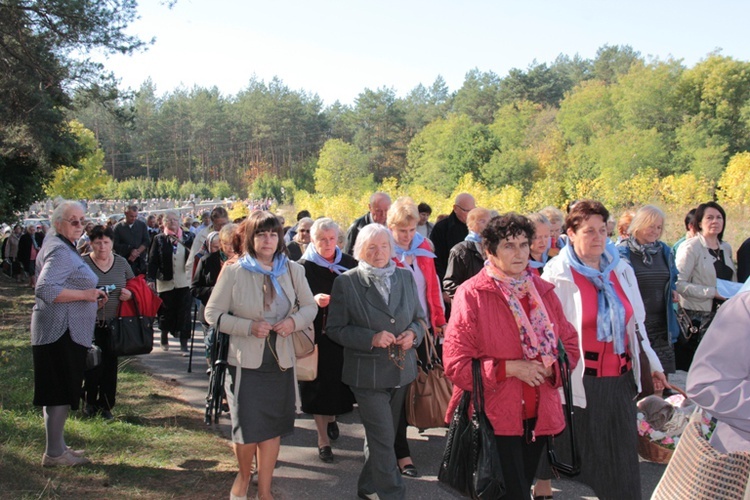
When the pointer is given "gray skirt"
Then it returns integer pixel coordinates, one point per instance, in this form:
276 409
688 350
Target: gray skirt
261 403
607 438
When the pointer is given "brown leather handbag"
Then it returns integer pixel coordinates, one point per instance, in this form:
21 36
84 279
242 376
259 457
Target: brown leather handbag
428 395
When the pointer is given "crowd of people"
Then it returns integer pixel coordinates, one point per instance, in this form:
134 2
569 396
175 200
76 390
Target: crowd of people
510 290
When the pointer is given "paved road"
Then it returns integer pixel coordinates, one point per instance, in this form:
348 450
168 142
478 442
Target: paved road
300 474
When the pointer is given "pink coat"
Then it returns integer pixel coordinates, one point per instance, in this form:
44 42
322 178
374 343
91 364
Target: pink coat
482 326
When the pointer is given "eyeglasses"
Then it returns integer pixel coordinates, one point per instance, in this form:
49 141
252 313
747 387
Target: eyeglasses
462 208
303 231
76 222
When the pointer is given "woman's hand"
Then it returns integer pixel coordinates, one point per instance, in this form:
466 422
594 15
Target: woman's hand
261 329
383 339
285 327
675 296
529 372
125 294
660 381
322 299
406 339
439 330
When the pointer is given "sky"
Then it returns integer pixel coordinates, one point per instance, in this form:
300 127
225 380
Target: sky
338 48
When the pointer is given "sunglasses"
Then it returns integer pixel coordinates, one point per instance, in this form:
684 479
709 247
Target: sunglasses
76 222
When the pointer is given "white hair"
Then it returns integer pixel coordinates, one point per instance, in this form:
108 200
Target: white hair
324 224
369 232
63 207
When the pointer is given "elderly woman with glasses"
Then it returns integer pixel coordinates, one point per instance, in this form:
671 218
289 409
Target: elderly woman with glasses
376 315
301 239
62 329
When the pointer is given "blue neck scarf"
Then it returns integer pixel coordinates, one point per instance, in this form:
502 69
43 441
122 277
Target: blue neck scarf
610 317
312 255
472 236
413 249
279 268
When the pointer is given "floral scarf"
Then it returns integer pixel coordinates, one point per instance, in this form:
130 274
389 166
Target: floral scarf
535 329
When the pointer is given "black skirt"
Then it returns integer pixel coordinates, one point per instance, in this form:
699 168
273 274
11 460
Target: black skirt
327 394
58 372
607 436
174 314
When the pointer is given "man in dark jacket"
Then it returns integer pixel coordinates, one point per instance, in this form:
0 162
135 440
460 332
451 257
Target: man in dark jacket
451 231
379 205
132 240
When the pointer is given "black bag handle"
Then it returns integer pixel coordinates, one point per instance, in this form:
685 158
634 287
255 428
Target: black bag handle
574 468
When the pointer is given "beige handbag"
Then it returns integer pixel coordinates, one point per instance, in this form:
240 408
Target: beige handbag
428 395
307 367
698 472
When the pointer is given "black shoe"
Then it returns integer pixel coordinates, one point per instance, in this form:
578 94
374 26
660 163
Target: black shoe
90 411
106 414
326 454
333 431
367 496
409 471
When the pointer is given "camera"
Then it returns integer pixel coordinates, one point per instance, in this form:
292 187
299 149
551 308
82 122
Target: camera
107 288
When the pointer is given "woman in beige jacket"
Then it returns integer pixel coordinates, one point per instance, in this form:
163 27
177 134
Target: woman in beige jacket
260 301
701 261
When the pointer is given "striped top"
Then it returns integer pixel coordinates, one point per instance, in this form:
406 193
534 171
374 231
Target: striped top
116 275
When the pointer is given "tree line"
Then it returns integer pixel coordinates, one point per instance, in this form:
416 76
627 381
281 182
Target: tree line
574 127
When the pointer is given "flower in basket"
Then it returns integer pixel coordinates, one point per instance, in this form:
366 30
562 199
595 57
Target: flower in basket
644 428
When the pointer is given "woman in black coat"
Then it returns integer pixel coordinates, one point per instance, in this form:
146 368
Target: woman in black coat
326 396
168 276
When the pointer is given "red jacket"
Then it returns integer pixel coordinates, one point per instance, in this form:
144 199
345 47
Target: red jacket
434 291
482 326
148 302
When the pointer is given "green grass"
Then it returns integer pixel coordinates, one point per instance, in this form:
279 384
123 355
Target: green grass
157 447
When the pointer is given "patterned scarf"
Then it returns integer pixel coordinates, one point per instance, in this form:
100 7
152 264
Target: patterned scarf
312 255
472 236
610 315
271 285
535 329
414 249
380 277
647 250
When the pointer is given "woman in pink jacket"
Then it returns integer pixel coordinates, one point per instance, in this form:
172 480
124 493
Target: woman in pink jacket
511 320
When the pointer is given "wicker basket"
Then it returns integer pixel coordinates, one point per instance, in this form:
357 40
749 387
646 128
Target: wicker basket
653 452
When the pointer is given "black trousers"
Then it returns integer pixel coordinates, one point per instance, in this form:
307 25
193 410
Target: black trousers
519 457
100 383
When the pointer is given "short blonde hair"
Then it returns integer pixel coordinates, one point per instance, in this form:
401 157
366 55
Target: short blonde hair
644 217
369 232
402 212
475 214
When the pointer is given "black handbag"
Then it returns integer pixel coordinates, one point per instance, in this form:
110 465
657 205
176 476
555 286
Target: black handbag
574 467
130 335
471 460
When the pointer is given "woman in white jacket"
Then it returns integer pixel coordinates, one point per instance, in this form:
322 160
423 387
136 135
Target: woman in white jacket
600 297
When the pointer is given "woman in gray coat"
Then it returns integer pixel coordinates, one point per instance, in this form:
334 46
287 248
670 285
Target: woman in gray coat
375 314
